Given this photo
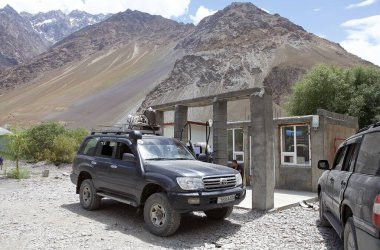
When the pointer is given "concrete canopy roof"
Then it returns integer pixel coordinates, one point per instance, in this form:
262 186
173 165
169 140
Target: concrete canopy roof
208 100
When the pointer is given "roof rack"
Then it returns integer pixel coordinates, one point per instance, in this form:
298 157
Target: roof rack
119 132
145 129
377 124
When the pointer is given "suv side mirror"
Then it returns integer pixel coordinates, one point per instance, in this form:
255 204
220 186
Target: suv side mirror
129 157
135 135
324 165
202 157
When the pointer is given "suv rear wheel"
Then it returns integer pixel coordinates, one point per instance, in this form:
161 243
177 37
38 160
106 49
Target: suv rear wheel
89 200
160 218
350 242
219 213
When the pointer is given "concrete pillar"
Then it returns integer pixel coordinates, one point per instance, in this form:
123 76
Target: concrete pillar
180 120
219 129
318 144
262 150
160 120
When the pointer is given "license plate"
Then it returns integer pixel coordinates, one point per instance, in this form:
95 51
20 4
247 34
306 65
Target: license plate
225 199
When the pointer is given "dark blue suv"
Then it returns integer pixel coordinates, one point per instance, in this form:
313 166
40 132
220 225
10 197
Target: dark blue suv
154 172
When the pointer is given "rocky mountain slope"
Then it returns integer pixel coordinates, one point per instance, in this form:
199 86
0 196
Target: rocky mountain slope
18 40
56 25
101 73
91 76
243 46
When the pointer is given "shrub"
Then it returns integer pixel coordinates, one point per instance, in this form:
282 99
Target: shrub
41 139
18 173
78 135
45 142
63 149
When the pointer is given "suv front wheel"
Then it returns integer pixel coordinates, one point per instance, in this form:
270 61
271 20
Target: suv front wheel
160 218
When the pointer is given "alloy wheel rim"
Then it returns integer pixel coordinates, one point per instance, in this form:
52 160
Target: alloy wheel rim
158 215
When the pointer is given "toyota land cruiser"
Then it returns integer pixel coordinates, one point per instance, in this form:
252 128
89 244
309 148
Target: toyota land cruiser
154 172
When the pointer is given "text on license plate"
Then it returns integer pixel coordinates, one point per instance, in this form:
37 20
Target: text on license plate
225 199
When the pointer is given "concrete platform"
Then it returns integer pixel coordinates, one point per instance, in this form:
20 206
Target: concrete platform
283 199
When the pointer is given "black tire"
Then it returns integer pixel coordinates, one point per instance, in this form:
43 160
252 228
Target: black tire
160 218
350 242
219 213
322 220
89 200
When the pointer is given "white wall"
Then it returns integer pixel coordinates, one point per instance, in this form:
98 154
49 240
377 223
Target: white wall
198 133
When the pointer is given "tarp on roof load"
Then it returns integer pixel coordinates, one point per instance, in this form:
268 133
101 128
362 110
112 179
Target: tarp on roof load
4 131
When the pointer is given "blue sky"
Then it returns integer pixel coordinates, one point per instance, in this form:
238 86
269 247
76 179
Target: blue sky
355 24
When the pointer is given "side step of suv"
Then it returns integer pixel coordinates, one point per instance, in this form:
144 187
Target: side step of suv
335 224
117 198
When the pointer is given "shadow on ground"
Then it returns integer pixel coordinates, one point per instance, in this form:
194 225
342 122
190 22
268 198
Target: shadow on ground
195 229
330 237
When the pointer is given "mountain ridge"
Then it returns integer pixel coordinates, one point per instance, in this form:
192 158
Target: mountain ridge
18 41
55 25
133 60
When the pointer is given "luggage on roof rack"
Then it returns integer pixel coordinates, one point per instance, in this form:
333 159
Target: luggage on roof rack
145 123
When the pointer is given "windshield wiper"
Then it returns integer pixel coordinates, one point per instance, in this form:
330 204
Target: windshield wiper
156 159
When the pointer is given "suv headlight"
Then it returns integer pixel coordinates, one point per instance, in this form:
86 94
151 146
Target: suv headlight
239 180
190 183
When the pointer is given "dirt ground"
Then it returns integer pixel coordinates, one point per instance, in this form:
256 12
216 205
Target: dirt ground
44 213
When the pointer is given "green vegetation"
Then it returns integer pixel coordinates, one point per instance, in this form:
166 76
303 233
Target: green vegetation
53 143
18 173
41 139
354 91
50 142
16 147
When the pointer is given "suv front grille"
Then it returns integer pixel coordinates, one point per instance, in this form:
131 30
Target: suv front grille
217 182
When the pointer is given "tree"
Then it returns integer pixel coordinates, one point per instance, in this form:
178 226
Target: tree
354 91
16 146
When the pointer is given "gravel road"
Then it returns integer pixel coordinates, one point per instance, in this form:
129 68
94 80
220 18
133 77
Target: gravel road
44 213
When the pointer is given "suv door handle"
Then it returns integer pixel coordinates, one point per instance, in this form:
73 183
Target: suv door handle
113 166
343 183
332 179
93 162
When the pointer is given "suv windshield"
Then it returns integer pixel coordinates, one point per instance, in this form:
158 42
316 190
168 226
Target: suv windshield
163 149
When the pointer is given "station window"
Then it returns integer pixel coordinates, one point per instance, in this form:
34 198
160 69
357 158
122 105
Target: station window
235 145
295 145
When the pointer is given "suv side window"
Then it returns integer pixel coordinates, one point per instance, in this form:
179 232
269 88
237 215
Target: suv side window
106 148
350 157
339 158
89 146
368 161
122 148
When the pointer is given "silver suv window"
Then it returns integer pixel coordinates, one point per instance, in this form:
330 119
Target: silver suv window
368 161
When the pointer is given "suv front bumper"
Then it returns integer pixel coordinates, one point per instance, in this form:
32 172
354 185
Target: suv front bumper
207 199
